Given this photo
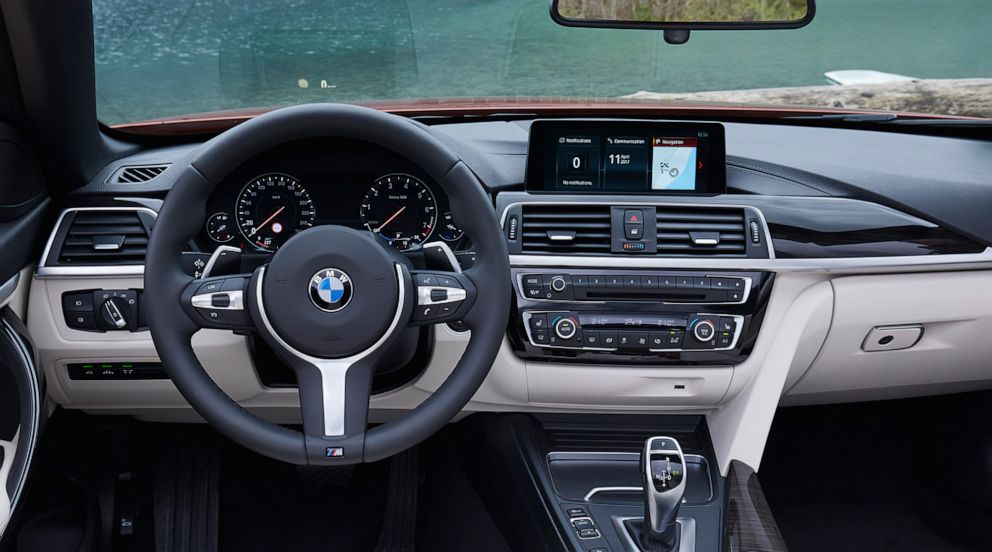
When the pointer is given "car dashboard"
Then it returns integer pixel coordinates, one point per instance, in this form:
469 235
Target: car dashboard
835 265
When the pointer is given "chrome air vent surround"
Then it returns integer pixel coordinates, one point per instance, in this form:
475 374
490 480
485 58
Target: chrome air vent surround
97 241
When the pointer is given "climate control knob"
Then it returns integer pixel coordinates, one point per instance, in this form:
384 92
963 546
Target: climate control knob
566 328
704 330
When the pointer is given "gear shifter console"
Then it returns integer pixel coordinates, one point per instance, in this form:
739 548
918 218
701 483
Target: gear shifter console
663 469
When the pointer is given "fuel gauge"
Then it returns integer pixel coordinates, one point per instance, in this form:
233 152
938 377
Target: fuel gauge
220 228
448 230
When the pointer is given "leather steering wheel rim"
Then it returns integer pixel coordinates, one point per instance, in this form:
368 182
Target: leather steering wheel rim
184 212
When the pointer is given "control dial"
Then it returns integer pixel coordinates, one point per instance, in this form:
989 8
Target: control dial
114 312
565 328
558 284
703 330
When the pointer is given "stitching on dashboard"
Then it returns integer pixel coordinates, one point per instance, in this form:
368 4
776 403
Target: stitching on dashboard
760 170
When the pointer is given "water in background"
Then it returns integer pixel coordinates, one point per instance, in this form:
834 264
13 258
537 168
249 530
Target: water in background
156 59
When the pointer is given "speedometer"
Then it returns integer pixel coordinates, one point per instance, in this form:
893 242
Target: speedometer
401 209
271 208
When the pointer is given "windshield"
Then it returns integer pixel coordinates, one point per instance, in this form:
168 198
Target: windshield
159 59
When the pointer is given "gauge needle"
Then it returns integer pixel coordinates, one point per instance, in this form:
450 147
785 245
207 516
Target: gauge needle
390 219
268 220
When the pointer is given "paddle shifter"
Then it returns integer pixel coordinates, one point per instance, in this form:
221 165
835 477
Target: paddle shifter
663 472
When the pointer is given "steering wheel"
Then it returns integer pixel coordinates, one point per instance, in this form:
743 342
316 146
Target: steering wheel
331 301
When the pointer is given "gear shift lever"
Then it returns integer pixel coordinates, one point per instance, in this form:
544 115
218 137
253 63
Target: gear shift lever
663 472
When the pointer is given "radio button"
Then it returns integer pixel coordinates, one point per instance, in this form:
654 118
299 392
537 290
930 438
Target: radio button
683 282
720 283
558 284
667 281
631 281
533 280
596 281
614 281
734 296
649 282
700 282
534 292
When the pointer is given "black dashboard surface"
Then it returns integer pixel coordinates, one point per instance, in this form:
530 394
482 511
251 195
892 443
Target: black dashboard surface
938 179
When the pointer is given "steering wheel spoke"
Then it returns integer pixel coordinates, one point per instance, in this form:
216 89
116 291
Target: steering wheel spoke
219 303
334 402
441 297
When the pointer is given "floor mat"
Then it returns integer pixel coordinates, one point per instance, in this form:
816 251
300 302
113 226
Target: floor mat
839 478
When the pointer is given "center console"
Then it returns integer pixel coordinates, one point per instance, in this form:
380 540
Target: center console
642 316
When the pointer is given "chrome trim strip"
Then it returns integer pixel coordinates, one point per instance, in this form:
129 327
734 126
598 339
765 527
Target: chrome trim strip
454 295
600 490
687 534
45 271
333 371
205 300
8 287
859 265
660 203
738 328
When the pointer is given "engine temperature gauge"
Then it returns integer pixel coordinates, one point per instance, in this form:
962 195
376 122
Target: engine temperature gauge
220 227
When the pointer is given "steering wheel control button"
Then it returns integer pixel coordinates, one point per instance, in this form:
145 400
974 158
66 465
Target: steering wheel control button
447 281
330 289
210 287
424 279
424 313
220 300
703 330
439 295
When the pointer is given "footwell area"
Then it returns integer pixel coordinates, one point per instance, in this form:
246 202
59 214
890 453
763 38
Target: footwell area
910 475
111 483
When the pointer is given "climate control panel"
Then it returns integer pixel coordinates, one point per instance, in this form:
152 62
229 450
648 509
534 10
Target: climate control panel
632 333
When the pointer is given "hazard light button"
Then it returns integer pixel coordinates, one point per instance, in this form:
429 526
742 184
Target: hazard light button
633 224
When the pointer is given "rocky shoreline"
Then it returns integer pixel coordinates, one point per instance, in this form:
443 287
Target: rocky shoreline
964 97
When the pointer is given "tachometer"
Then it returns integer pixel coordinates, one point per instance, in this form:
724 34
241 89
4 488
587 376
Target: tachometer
401 209
271 208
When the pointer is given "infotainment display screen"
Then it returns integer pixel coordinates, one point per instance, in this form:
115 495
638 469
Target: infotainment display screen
611 157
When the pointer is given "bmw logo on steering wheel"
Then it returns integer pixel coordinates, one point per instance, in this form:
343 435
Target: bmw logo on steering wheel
330 290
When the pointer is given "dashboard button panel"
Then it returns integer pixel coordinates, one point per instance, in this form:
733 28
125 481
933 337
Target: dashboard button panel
632 333
698 288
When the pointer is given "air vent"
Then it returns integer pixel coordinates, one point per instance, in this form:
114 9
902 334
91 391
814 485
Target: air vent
566 229
102 237
701 231
136 174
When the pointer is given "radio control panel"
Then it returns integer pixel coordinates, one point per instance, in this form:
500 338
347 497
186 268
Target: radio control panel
632 333
670 287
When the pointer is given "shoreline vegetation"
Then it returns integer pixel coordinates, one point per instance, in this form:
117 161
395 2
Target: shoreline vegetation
683 10
963 97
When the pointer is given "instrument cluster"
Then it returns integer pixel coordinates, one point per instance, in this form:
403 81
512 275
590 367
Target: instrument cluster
270 198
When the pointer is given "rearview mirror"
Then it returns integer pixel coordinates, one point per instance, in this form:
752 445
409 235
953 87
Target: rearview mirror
684 15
